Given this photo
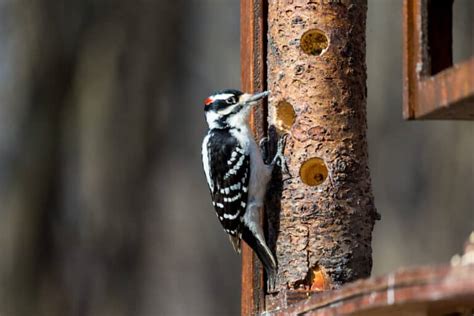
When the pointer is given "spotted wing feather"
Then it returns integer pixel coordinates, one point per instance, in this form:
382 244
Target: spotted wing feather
230 173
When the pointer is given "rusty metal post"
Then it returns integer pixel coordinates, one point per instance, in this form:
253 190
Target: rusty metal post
253 77
317 75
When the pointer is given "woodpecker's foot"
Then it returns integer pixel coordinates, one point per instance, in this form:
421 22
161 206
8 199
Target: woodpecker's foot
279 158
271 282
264 148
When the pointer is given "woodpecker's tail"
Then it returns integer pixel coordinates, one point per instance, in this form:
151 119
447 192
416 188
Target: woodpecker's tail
257 243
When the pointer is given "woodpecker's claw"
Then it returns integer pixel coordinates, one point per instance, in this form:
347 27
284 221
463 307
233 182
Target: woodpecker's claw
279 158
271 283
263 144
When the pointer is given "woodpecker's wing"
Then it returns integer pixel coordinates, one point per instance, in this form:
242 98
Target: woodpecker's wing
228 177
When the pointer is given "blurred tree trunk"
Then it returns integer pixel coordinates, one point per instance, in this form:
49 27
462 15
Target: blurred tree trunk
78 129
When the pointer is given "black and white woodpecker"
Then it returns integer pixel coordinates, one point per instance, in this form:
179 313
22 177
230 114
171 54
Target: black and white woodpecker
236 172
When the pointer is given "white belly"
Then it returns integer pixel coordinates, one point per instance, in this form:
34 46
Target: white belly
260 175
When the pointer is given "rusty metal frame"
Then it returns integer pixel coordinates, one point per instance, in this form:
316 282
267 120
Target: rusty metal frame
433 88
253 79
429 291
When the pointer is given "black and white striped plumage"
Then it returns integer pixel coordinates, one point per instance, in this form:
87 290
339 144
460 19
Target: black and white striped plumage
229 171
235 172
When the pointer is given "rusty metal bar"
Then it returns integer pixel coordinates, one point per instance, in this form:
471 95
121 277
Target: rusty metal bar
412 56
432 88
253 79
430 291
448 95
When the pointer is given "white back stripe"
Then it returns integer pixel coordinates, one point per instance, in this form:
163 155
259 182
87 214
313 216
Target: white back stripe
221 96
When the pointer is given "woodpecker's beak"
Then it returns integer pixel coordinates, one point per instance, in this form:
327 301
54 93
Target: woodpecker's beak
251 98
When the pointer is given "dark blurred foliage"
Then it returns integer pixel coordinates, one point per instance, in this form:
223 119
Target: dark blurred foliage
104 207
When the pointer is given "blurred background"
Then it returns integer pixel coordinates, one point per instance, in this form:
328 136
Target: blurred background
104 208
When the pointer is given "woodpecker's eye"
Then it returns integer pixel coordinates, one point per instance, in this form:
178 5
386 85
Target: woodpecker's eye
231 100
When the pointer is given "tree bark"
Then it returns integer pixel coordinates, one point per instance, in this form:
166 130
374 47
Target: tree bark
317 75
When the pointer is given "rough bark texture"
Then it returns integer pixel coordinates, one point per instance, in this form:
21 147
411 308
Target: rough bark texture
323 232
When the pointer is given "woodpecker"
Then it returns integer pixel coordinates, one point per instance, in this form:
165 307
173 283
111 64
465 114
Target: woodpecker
236 172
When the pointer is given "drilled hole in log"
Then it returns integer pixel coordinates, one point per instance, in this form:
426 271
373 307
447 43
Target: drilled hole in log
314 42
313 171
316 280
285 115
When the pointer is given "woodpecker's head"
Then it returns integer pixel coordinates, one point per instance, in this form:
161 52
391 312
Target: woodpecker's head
230 108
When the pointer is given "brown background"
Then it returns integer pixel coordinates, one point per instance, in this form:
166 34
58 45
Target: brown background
104 208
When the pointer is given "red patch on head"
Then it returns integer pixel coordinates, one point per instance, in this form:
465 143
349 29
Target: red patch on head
207 101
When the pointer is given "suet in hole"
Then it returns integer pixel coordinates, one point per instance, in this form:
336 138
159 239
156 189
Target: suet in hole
314 42
316 280
313 171
285 115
